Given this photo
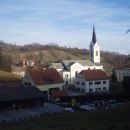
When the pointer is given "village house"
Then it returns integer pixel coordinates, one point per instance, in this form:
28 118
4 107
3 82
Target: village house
20 69
122 72
13 95
45 80
92 81
70 68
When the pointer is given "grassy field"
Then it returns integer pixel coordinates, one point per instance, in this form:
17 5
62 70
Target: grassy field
112 119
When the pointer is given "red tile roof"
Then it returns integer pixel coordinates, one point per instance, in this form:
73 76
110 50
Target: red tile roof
59 93
94 74
46 76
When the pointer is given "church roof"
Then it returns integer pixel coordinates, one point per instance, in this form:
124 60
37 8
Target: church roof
94 36
68 63
56 65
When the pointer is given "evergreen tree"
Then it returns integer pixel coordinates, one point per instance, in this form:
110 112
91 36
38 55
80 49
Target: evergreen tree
113 76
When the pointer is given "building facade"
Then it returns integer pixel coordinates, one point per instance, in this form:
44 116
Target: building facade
122 72
92 81
46 80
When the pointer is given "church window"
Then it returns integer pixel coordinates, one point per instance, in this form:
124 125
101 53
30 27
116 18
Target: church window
66 75
96 53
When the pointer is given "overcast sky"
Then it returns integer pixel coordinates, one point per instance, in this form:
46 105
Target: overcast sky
66 22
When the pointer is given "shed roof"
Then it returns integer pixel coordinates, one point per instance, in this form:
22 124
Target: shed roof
19 93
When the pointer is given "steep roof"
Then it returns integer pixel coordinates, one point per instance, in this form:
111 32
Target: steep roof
94 36
94 74
56 65
68 63
45 76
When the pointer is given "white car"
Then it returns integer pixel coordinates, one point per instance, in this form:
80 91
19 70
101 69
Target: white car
68 109
87 107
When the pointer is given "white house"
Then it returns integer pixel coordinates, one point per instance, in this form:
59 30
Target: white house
92 81
18 70
122 72
70 68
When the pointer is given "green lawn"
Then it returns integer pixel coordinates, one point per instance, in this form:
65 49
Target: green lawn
112 119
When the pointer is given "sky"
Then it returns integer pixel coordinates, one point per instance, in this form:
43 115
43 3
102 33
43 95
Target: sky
67 23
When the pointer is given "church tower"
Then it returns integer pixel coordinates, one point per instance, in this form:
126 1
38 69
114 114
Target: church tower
94 49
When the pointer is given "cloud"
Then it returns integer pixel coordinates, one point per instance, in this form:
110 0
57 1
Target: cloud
66 22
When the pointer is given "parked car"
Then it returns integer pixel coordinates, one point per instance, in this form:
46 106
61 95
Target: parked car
87 107
69 109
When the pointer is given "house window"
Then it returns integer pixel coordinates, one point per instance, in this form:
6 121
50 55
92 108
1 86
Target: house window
90 83
99 89
90 90
96 53
98 82
78 83
104 82
82 83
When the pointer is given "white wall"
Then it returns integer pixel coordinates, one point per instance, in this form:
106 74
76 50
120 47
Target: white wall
66 77
96 58
120 73
94 49
76 68
84 85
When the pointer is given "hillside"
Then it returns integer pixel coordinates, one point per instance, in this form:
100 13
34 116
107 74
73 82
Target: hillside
46 54
8 77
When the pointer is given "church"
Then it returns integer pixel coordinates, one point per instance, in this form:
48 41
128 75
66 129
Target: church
70 68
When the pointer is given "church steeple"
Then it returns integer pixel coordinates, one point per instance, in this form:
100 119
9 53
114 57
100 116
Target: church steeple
94 49
94 36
